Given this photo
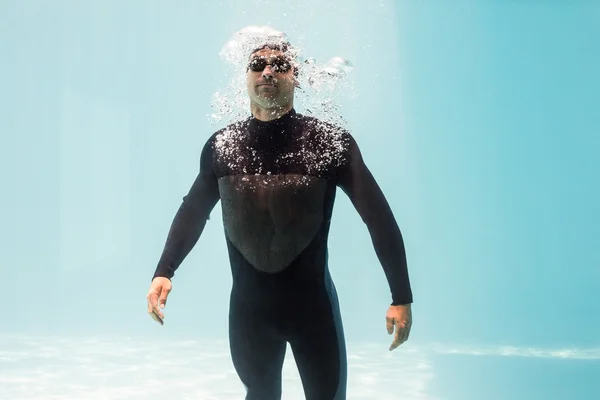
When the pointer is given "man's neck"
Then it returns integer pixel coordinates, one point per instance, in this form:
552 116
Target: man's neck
269 114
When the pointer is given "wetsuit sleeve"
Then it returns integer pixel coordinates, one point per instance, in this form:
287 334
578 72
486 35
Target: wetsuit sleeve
190 219
355 179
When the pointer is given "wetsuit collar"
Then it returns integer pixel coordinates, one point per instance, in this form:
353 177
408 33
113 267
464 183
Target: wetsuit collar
284 120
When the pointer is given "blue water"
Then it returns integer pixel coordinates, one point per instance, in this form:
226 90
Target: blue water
500 378
478 119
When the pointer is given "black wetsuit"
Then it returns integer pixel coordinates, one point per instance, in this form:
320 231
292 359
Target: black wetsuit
277 183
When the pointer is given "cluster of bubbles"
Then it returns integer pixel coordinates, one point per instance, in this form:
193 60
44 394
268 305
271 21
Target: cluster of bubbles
237 50
322 85
327 85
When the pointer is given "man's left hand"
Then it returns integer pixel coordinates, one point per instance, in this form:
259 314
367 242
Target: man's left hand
399 317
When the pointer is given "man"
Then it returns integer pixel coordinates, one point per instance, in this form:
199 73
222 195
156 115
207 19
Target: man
276 175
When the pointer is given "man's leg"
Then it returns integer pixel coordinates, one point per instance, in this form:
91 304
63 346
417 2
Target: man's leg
318 345
256 350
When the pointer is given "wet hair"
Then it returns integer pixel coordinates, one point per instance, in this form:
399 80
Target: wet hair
284 47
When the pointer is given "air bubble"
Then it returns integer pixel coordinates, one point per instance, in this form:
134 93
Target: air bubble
327 77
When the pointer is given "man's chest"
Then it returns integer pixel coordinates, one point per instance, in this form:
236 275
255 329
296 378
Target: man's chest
299 152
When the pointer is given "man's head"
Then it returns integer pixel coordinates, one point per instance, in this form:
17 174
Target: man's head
271 76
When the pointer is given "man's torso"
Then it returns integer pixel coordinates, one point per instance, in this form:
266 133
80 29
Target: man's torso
277 184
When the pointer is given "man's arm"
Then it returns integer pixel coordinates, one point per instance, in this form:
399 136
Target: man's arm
358 183
190 220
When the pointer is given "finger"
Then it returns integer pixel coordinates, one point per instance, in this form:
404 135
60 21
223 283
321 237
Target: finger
389 322
396 341
156 318
157 310
405 333
162 301
407 328
153 304
152 300
402 334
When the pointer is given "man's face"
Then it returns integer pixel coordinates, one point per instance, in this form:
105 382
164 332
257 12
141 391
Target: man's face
270 79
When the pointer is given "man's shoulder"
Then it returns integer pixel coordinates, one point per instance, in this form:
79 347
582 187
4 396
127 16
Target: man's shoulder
223 137
329 132
228 131
323 128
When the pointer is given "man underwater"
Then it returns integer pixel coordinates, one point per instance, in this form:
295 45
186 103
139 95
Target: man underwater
276 175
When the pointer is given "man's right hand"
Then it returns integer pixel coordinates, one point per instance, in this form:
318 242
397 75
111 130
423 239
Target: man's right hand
157 297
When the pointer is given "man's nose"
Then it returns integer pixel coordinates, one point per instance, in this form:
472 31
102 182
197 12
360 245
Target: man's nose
267 73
